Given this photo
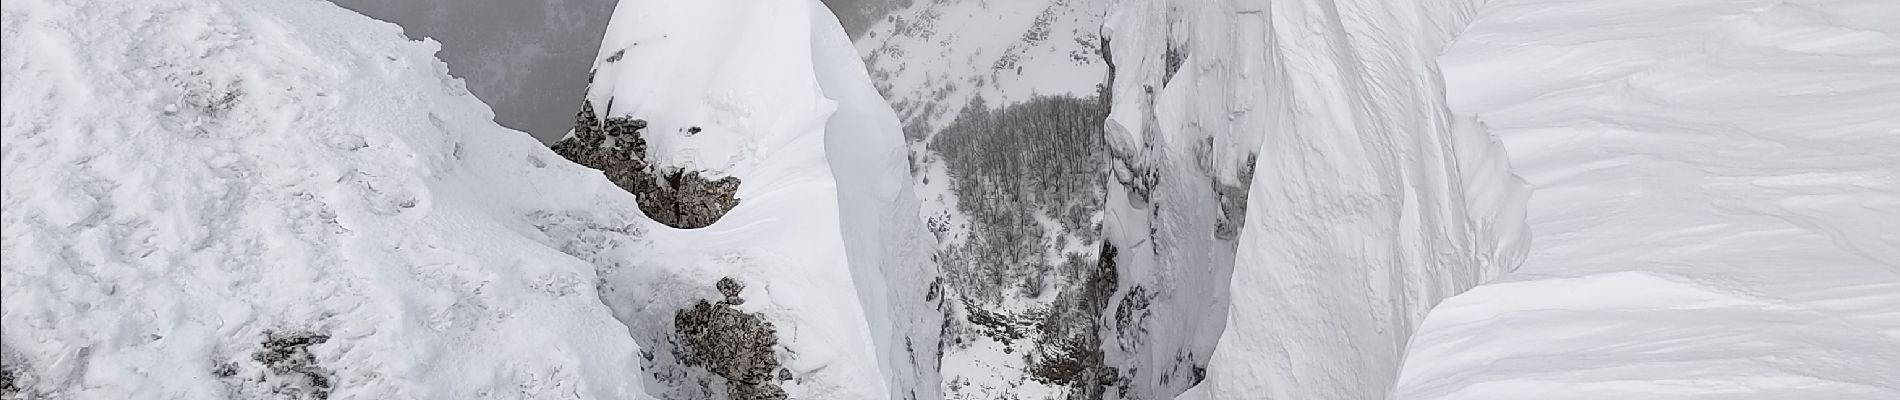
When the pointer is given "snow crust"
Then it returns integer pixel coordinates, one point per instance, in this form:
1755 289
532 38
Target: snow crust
1717 196
1368 202
184 177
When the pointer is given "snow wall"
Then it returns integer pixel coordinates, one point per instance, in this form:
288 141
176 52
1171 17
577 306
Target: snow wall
1365 200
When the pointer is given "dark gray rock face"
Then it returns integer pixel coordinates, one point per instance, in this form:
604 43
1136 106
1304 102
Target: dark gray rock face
10 382
292 372
673 196
1071 354
732 344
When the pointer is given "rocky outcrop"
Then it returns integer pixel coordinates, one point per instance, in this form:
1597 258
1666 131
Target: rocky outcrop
1070 353
13 384
294 371
732 344
673 196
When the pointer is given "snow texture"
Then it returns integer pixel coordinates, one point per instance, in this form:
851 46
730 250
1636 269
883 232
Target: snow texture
825 239
1717 213
1367 204
278 199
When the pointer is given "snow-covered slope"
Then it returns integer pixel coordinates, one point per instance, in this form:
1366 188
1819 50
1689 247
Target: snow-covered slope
278 199
1717 213
1365 201
932 58
998 100
527 59
811 284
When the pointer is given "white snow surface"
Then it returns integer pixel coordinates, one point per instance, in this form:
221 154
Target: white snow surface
826 236
183 176
1369 202
1717 212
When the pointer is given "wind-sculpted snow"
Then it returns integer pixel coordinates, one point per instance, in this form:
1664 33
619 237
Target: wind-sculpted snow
1717 203
821 265
1365 201
278 199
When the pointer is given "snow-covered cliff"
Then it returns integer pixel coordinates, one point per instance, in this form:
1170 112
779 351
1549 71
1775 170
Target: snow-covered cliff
778 252
278 199
1367 204
1098 199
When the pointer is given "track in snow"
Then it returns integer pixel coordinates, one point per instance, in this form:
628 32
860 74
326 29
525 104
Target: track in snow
1717 211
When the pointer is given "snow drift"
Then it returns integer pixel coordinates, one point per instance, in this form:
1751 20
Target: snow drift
279 199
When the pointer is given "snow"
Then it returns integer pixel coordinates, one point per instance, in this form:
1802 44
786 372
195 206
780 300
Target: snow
884 233
1718 185
1368 203
943 53
183 177
233 169
930 60
527 59
826 236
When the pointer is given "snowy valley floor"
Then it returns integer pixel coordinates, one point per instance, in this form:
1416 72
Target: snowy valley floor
1717 212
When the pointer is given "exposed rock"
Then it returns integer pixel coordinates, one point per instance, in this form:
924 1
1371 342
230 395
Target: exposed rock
9 387
1071 352
1233 202
673 196
294 372
1171 61
732 344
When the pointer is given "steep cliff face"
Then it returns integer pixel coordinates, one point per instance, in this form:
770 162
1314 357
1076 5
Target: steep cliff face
1366 202
751 135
